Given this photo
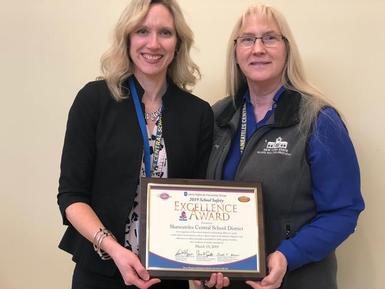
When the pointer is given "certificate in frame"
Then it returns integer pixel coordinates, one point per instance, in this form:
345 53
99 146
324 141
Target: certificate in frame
192 228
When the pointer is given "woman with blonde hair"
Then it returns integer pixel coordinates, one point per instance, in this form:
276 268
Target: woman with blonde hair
278 129
138 120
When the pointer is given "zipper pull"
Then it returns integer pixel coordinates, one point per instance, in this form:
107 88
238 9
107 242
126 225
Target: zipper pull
287 231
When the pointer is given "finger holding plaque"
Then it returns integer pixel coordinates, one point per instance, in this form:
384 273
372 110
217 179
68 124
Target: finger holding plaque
192 228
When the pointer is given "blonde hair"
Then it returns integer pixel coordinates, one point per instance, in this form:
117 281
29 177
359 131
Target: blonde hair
116 64
293 76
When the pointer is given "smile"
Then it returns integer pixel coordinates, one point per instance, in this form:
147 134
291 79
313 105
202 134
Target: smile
151 57
260 62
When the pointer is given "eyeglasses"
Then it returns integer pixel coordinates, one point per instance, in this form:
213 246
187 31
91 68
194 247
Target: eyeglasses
268 40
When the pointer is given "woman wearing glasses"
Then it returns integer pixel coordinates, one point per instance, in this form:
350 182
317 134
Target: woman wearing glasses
278 129
139 120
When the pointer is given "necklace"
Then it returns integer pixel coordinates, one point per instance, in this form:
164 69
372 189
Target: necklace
154 115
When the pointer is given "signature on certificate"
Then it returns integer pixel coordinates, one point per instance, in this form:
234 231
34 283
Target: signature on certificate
183 253
205 253
227 255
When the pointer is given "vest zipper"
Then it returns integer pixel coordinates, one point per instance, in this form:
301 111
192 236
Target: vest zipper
218 156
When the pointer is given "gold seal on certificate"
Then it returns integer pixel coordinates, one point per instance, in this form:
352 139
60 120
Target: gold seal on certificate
192 228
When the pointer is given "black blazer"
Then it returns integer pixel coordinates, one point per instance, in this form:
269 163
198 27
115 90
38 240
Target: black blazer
102 155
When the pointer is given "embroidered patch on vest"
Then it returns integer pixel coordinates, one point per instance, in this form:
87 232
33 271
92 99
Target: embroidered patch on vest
279 146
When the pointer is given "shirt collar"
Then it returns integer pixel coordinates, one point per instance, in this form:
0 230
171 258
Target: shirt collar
277 95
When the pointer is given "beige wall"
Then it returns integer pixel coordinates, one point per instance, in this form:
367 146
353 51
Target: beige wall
50 48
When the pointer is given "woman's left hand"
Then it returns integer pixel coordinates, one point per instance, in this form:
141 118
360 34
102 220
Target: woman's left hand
277 265
217 280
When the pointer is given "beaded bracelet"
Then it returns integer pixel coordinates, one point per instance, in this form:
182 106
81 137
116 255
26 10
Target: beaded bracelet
97 242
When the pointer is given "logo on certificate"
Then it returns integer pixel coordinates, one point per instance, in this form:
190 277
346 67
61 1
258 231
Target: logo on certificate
183 216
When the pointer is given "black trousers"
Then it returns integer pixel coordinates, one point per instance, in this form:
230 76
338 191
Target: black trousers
83 279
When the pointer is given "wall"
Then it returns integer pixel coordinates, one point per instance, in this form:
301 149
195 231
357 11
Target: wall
49 49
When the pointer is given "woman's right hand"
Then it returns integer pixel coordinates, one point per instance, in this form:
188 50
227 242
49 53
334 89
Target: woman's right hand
131 269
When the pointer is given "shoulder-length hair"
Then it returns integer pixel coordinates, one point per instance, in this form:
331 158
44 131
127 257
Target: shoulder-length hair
293 76
116 64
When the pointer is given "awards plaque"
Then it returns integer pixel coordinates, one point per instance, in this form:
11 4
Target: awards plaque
192 228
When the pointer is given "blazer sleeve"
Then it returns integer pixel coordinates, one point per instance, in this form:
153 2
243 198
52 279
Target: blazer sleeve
78 155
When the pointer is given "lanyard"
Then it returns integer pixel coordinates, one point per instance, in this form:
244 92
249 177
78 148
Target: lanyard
242 140
158 139
143 129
